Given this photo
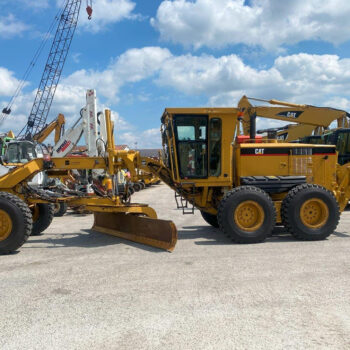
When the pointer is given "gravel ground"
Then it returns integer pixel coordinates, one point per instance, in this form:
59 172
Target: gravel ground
75 289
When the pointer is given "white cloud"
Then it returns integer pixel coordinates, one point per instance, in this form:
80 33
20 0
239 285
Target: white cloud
149 138
267 23
68 100
303 78
221 81
209 75
10 26
105 13
8 83
132 66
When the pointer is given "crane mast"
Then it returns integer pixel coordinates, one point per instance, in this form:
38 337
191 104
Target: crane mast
53 68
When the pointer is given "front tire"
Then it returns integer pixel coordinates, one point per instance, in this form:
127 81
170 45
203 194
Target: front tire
310 212
247 214
43 214
15 222
211 219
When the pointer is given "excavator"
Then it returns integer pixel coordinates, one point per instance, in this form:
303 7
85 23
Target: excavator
310 124
18 151
306 119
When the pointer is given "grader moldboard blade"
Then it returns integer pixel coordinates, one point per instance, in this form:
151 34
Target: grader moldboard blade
153 232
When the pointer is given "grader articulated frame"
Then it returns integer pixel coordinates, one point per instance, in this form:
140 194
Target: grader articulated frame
21 204
246 185
137 166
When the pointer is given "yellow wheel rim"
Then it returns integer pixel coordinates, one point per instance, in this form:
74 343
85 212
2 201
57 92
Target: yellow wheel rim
249 216
314 213
35 213
57 207
5 225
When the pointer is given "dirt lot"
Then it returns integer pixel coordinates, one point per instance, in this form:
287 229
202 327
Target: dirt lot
75 289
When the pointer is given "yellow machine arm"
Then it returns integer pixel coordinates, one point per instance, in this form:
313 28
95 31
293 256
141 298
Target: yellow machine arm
56 125
307 118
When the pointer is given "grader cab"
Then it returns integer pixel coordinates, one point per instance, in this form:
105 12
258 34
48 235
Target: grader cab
246 185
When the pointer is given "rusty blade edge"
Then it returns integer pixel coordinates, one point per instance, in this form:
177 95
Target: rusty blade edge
169 246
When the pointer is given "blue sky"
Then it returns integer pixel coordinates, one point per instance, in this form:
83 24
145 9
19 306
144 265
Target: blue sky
143 56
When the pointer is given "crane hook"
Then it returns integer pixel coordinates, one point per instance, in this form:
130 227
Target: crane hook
89 8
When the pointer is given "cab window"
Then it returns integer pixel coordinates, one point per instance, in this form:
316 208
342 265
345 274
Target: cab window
191 136
215 147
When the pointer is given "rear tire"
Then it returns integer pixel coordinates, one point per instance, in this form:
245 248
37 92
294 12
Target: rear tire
310 212
247 214
43 219
211 219
137 187
131 190
15 222
60 209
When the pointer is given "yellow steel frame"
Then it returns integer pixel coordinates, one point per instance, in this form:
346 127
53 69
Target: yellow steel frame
15 180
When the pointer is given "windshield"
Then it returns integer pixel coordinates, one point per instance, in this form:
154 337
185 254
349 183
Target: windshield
20 152
191 135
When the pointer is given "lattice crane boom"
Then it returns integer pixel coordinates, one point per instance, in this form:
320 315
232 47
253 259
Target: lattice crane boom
53 69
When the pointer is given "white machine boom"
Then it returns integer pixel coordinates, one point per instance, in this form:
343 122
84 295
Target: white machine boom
88 125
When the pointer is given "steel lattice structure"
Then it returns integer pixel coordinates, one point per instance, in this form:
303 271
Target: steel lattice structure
54 65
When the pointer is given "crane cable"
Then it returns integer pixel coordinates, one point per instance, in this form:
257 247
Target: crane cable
7 110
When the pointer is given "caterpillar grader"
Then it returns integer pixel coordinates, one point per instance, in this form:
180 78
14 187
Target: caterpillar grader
245 185
25 209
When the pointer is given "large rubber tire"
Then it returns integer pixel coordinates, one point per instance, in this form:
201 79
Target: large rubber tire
137 187
131 190
44 219
236 204
292 212
20 219
60 209
143 185
211 219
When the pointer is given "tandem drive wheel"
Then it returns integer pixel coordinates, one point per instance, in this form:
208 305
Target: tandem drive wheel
43 214
247 214
15 222
60 209
310 212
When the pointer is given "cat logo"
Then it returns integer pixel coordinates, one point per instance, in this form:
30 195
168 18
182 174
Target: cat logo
259 151
290 114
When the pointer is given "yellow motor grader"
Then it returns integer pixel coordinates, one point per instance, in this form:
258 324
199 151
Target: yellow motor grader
25 209
246 185
140 175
